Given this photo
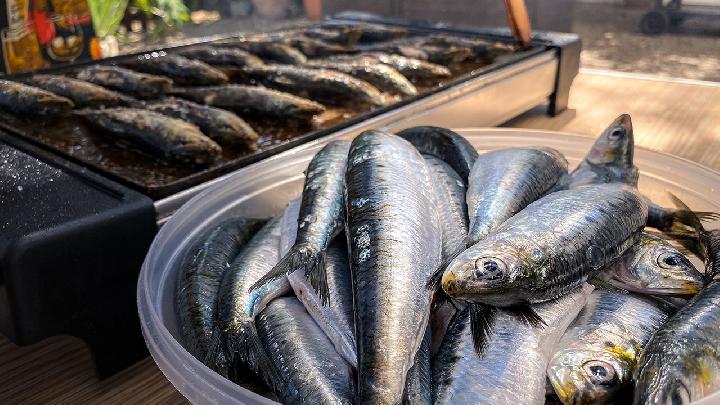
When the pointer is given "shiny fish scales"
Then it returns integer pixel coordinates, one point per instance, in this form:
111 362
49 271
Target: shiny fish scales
395 243
253 100
214 55
24 99
235 340
550 247
450 192
167 137
82 93
320 217
180 69
325 85
199 279
598 354
220 125
654 266
310 369
512 369
445 145
418 386
681 363
336 318
505 181
381 76
128 81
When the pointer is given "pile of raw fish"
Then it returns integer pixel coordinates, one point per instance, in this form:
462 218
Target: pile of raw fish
413 270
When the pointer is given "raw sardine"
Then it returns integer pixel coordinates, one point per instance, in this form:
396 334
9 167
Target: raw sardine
395 243
598 354
200 276
418 386
445 145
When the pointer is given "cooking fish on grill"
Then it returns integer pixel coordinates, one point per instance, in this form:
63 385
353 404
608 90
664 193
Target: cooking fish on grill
180 69
381 76
268 51
309 368
27 100
347 36
320 219
413 69
127 81
318 84
681 364
158 134
222 126
395 243
654 266
482 50
314 47
445 145
214 55
512 369
253 100
371 32
396 48
235 340
199 279
599 352
82 93
544 251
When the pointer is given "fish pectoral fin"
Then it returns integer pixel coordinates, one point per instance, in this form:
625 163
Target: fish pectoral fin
482 321
527 315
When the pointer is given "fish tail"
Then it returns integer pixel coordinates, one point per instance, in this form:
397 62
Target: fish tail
253 353
316 273
217 358
482 322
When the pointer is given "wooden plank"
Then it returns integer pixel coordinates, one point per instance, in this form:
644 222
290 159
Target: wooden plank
671 116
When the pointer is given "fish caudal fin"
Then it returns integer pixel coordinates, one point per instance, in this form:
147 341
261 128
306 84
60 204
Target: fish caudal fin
301 256
253 353
482 321
217 358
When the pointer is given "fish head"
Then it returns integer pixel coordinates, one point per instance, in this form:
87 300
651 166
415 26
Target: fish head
485 272
587 376
615 145
673 382
653 266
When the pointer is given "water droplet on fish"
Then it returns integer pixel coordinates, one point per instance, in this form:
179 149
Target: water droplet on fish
20 188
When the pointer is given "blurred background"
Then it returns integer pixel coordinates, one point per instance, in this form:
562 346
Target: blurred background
664 37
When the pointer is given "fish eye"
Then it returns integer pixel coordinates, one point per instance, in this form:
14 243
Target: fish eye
617 133
668 260
489 268
600 372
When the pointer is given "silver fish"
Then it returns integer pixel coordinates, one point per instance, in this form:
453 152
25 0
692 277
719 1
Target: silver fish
654 266
610 159
505 181
445 145
23 99
336 318
381 76
158 134
235 341
289 224
418 386
395 243
309 368
199 279
512 369
220 125
598 354
450 192
681 363
320 217
550 247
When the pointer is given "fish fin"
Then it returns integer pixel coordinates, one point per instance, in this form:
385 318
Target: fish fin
482 321
527 315
300 256
252 352
216 357
316 273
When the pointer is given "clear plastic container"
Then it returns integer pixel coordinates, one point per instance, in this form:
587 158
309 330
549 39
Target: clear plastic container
265 188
